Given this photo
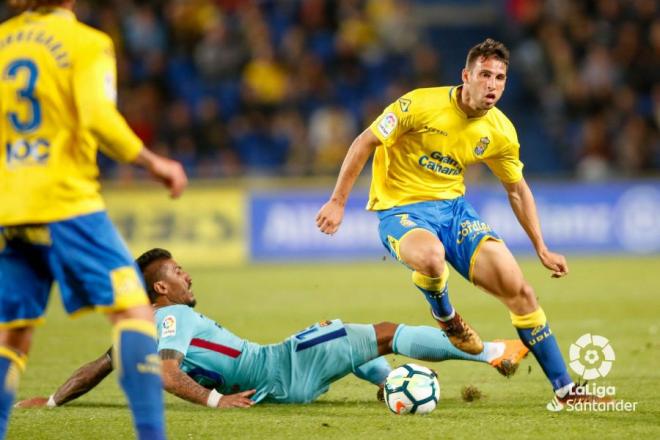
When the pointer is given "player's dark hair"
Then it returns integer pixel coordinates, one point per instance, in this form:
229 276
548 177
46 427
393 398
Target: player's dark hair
150 277
487 48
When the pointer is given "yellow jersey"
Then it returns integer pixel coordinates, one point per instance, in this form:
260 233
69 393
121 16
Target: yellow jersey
427 141
57 107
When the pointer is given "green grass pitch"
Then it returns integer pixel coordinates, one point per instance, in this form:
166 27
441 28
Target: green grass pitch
617 297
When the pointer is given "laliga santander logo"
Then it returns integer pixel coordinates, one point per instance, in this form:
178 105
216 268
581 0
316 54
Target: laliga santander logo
591 356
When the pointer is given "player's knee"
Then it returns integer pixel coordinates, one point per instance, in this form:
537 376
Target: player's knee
384 335
17 339
525 300
527 291
520 292
386 328
432 262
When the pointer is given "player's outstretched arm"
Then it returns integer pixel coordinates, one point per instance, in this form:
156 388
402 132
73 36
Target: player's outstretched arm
331 214
524 207
81 381
181 385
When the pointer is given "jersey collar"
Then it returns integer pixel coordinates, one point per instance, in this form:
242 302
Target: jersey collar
54 10
452 98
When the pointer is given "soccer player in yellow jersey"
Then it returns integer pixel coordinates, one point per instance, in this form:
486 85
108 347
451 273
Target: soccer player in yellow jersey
423 143
57 107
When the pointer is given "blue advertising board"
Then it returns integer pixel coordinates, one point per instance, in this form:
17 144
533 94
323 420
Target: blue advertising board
283 227
585 218
575 218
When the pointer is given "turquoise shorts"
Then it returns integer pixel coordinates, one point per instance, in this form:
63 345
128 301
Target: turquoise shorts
312 359
455 222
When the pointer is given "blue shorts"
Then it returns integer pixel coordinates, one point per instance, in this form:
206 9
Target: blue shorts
85 255
455 222
318 356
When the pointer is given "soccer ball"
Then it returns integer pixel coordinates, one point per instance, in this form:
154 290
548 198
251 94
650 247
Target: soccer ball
412 389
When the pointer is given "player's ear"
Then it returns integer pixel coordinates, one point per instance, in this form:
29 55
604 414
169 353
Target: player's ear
465 74
160 287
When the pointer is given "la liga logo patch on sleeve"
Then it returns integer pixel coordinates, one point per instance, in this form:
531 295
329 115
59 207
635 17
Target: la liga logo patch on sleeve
169 326
387 124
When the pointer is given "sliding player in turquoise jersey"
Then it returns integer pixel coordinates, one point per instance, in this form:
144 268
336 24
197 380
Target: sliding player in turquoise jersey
423 142
205 363
57 108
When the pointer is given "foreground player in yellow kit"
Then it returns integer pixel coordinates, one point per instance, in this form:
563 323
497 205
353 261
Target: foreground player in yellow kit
423 142
57 107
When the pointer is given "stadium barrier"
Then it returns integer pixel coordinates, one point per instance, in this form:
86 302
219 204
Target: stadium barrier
205 227
583 218
216 226
576 218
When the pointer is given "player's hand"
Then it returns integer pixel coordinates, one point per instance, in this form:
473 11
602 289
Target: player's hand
238 400
170 173
167 171
329 217
555 262
32 402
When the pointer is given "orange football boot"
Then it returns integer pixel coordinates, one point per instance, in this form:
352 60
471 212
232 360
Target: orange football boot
514 352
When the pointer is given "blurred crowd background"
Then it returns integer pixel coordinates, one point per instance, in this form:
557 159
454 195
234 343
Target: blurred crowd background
281 87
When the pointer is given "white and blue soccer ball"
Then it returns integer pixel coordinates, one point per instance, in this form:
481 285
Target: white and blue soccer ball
412 389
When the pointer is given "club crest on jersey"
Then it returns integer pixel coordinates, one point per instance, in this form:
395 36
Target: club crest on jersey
404 103
481 146
169 326
387 124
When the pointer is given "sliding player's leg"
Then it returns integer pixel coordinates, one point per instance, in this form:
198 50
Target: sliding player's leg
432 344
369 343
327 351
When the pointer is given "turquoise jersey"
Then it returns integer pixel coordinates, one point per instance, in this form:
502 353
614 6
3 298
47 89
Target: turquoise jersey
297 370
213 356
